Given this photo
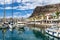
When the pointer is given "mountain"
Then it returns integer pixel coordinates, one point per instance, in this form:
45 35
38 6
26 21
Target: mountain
45 9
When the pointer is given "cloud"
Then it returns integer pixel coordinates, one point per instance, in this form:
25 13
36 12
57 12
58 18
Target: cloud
6 1
9 8
27 15
54 1
8 16
29 1
1 16
32 4
18 15
28 4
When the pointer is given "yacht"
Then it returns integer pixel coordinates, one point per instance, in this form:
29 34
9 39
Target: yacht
4 25
53 31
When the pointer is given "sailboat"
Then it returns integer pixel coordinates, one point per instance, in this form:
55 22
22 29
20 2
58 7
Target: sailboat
11 22
5 24
10 27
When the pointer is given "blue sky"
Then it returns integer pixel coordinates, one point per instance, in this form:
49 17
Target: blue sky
22 8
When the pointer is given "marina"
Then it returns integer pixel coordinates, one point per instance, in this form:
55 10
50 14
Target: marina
24 34
29 20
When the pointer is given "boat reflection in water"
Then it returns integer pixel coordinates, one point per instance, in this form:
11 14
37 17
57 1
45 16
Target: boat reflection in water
24 34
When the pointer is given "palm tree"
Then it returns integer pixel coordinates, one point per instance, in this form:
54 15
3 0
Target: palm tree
57 14
54 17
43 16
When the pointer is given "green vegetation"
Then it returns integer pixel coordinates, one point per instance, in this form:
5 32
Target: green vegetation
57 14
41 15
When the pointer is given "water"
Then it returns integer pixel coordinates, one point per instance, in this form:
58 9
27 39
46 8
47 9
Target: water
26 34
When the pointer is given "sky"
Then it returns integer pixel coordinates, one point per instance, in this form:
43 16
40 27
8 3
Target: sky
22 8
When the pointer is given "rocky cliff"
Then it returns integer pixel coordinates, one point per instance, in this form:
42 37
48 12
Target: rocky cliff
45 9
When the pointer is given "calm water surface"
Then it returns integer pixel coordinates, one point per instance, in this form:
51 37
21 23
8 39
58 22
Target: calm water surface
26 34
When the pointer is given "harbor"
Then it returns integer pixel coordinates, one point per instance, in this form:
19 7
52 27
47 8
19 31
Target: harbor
27 20
25 34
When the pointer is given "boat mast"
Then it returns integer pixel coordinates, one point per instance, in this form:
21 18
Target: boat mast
12 13
12 9
4 18
18 7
